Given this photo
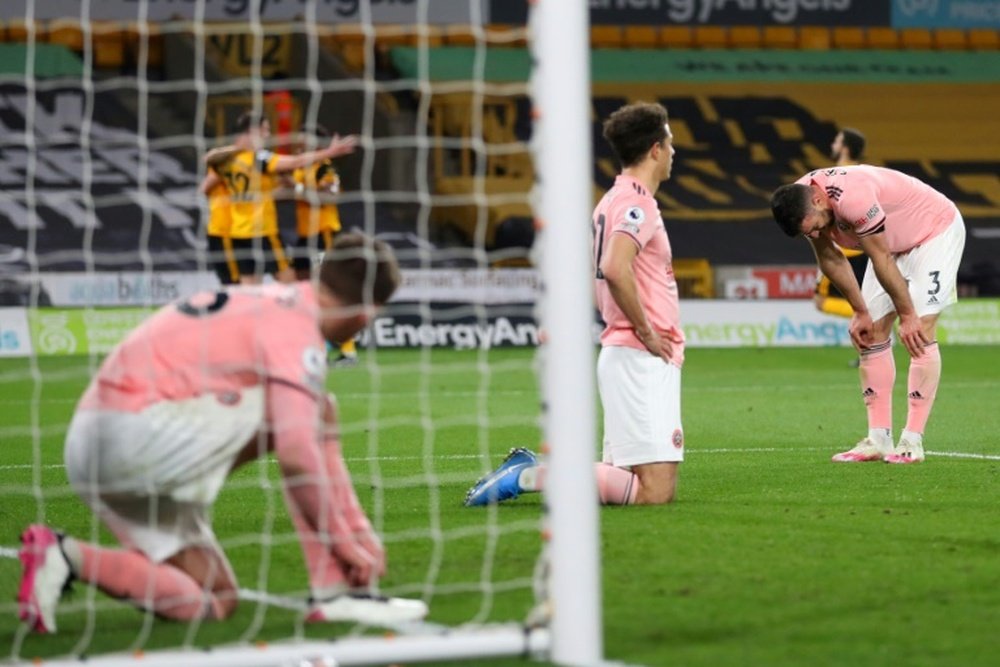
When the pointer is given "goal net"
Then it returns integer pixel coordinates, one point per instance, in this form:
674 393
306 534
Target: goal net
473 163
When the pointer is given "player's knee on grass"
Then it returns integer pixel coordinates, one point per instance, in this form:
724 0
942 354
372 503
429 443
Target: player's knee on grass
211 570
657 483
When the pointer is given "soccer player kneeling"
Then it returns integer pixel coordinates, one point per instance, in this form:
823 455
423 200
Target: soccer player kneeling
200 388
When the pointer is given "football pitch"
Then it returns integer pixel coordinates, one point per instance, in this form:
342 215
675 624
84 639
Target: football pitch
772 555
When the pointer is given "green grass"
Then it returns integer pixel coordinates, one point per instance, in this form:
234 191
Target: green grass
772 555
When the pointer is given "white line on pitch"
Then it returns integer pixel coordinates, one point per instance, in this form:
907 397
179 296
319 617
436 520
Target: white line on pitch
714 450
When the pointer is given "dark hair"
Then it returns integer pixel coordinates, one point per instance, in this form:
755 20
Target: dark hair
359 269
854 141
247 120
633 129
789 205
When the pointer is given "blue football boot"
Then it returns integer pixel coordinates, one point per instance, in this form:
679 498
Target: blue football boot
501 484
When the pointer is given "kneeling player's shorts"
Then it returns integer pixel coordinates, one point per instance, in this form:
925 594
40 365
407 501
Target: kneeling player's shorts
641 395
930 269
259 255
153 475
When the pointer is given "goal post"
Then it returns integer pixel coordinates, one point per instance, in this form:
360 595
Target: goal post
561 95
134 122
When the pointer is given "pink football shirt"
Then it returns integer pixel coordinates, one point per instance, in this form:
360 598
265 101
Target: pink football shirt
869 200
219 343
629 208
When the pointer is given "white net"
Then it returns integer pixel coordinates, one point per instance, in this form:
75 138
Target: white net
107 109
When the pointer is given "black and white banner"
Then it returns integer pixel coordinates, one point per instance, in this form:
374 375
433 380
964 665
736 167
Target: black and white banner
81 190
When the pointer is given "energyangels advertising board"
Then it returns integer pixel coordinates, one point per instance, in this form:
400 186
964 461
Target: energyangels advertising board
708 323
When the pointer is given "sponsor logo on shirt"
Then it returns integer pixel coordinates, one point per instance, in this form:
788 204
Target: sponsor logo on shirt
874 211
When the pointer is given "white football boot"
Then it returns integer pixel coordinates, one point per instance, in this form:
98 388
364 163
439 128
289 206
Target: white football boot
866 450
906 452
367 609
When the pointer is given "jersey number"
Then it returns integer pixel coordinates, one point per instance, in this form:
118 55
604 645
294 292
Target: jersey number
935 275
203 310
598 231
238 183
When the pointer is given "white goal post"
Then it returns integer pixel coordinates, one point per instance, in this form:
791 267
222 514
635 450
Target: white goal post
566 625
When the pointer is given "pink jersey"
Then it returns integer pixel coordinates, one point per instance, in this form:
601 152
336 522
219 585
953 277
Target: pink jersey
217 343
629 208
869 200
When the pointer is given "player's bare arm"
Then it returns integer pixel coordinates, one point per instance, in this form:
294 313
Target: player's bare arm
338 146
837 268
309 487
210 181
344 494
910 330
220 155
616 266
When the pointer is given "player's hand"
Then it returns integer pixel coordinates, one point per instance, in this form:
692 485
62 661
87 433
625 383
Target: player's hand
373 545
911 332
659 343
342 145
361 567
861 330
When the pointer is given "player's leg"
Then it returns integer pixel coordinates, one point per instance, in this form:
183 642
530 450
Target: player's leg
249 264
877 370
932 270
643 438
302 254
220 252
171 563
643 434
277 262
195 581
175 569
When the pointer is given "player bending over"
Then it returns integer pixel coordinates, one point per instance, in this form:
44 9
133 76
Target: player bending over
200 388
914 237
642 346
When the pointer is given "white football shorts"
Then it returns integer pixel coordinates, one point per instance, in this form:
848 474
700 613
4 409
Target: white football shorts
930 269
641 395
153 475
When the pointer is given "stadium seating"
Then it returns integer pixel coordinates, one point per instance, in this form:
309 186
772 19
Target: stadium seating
694 278
711 37
641 37
780 37
984 39
676 37
848 37
950 39
745 37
